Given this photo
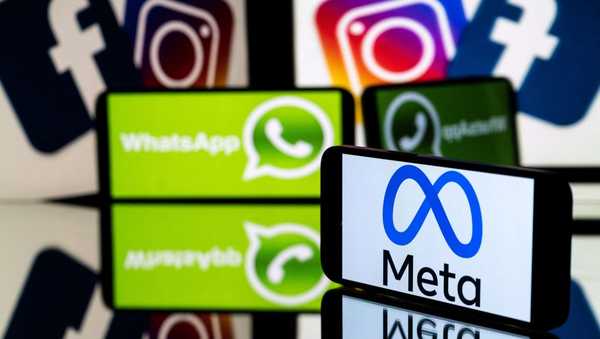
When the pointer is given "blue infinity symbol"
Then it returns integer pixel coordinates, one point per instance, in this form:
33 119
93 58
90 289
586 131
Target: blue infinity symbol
432 202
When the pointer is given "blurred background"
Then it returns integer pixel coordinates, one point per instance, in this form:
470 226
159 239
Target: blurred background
53 70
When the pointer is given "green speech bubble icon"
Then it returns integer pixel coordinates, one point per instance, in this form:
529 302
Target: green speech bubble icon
412 124
284 137
283 263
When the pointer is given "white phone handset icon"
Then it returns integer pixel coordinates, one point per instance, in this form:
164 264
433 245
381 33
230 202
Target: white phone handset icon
273 130
426 118
409 143
275 272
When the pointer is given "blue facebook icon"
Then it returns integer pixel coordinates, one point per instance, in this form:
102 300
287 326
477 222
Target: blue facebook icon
548 48
57 57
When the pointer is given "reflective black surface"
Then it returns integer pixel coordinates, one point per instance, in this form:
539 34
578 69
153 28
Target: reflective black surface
349 314
50 289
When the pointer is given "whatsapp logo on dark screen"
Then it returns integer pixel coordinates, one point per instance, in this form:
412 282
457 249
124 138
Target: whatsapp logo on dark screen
283 263
284 137
412 124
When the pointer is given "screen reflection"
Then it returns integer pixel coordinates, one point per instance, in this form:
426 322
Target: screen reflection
354 315
178 256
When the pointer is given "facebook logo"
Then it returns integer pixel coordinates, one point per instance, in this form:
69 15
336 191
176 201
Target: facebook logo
57 57
548 48
56 298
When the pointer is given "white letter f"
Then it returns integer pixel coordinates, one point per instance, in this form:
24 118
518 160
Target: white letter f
74 49
526 39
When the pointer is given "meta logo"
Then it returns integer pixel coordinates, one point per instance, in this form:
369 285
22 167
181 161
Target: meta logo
181 44
548 48
427 278
433 203
388 41
53 71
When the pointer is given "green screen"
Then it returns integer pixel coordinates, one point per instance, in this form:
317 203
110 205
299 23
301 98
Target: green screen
227 257
220 144
468 121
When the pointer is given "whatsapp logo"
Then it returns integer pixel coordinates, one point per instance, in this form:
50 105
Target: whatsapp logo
284 137
283 264
412 124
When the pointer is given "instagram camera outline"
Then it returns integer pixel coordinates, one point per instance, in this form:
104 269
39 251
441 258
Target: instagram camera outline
373 8
205 325
187 9
329 13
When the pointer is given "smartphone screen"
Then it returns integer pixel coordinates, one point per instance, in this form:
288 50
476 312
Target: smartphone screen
470 119
456 236
229 257
220 144
367 319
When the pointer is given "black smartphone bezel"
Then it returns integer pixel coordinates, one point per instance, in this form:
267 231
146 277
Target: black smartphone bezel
550 249
332 311
107 201
371 116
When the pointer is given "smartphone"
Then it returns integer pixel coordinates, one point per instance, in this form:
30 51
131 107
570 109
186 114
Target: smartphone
229 257
348 314
218 144
488 240
465 119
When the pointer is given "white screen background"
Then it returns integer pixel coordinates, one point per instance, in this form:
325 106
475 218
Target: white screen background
503 262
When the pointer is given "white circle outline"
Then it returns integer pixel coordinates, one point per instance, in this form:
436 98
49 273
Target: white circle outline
251 261
155 65
393 107
427 56
173 319
252 171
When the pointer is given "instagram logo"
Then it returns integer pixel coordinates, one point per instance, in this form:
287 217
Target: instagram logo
393 41
190 325
183 44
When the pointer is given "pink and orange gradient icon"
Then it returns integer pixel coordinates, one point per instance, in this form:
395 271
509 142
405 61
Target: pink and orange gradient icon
190 325
394 41
183 44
